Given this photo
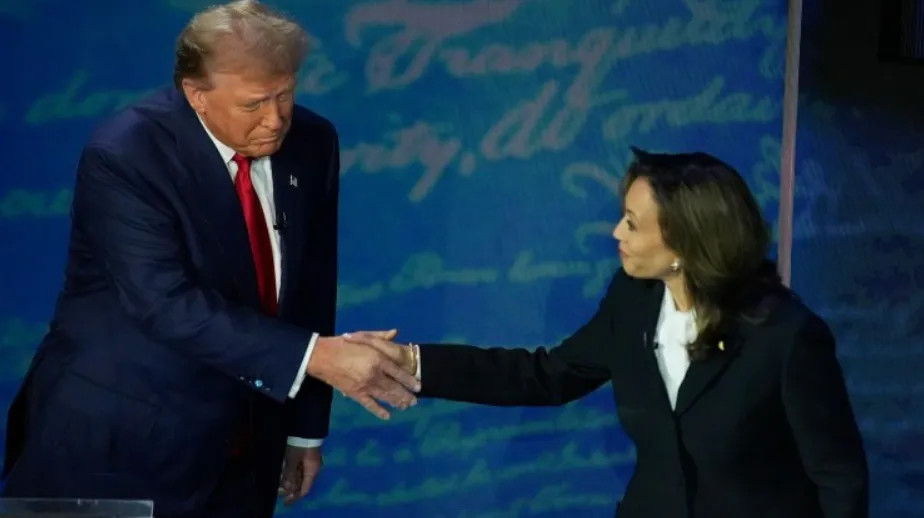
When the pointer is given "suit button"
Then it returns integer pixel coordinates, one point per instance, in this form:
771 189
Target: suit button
258 383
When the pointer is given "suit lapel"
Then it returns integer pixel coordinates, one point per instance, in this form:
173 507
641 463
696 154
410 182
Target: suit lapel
213 192
702 373
290 189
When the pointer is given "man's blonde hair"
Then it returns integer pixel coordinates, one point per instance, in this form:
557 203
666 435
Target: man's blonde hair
239 34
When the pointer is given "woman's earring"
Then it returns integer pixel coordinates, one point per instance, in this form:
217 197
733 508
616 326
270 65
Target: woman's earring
675 266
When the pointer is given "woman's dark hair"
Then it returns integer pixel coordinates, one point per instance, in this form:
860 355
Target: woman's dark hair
709 217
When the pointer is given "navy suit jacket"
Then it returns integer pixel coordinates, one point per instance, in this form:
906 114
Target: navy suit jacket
158 351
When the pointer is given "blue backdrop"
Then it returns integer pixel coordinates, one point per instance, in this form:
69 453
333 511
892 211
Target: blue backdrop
483 142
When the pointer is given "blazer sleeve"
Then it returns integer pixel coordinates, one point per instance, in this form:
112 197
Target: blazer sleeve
823 425
309 412
139 245
518 377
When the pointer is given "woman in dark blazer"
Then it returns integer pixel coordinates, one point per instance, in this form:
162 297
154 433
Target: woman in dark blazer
728 385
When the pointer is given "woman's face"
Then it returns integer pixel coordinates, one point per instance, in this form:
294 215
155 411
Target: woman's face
641 246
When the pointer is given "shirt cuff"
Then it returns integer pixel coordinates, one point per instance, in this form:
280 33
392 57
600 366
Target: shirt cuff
299 442
303 370
417 361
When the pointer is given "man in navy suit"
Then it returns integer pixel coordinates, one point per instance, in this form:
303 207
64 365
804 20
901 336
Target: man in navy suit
194 332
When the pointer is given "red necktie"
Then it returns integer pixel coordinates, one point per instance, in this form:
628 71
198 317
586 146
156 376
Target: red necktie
260 245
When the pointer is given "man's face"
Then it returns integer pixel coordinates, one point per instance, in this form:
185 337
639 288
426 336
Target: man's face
249 113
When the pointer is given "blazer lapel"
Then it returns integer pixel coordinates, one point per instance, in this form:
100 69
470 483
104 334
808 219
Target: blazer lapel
703 373
289 198
213 192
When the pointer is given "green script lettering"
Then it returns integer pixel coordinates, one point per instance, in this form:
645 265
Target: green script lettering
71 102
19 203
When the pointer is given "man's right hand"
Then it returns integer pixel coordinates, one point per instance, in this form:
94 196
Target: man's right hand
363 374
403 355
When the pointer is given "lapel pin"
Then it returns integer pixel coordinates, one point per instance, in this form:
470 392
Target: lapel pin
293 181
721 345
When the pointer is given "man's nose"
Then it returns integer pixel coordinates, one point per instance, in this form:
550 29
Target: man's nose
272 119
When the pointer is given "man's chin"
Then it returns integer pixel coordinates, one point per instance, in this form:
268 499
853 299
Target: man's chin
265 148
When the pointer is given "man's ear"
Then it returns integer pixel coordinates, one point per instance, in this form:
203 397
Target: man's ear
195 95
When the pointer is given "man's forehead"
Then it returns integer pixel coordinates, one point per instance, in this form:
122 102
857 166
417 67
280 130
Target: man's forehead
257 85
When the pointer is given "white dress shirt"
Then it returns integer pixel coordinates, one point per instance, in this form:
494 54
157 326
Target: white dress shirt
261 175
675 330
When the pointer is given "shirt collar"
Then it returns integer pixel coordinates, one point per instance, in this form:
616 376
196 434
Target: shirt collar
226 152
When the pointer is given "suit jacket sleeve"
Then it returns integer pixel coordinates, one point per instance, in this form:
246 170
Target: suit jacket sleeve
822 421
309 412
139 244
518 377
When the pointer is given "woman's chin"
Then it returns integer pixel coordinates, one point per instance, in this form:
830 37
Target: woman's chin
629 268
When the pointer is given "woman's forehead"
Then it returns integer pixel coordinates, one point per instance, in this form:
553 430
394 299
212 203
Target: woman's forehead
639 200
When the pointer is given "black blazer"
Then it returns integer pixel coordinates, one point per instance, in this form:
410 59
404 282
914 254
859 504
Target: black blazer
761 430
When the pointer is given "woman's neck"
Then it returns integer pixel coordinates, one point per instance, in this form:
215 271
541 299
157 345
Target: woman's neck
678 289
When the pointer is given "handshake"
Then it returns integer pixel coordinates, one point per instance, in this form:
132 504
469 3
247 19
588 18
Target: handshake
369 368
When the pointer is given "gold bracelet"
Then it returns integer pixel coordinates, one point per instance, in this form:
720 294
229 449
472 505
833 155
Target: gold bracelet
414 354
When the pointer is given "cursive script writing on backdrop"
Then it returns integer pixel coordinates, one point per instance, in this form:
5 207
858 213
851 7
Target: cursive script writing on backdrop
480 473
550 119
533 126
553 118
424 34
428 270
